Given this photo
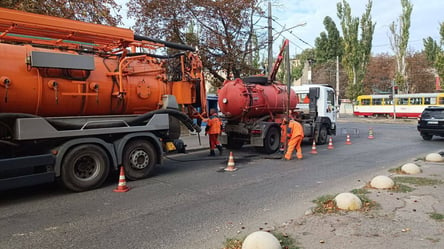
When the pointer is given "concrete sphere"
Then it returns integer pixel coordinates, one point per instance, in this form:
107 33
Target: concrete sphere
261 240
411 169
382 182
348 201
434 157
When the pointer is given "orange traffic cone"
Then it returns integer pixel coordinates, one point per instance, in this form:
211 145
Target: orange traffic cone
347 141
370 133
122 183
330 144
230 165
313 148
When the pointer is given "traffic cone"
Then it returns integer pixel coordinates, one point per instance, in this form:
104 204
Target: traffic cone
122 183
313 148
230 165
370 133
330 144
347 141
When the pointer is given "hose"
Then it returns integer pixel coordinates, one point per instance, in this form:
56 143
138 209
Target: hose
187 121
156 55
167 44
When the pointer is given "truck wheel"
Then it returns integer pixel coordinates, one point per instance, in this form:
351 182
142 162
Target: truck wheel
272 140
84 167
322 138
139 159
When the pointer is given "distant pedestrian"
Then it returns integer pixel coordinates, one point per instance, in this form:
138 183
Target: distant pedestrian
213 130
296 132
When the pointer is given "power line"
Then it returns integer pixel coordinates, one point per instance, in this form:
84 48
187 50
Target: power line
291 32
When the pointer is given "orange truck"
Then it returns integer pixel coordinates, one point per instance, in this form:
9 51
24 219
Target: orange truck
78 100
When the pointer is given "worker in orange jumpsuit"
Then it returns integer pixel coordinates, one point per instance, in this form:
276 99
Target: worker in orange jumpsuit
213 130
296 132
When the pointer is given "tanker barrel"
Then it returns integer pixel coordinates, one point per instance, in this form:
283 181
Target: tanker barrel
166 43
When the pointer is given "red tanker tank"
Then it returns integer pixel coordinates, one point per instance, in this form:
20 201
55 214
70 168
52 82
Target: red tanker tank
253 97
57 67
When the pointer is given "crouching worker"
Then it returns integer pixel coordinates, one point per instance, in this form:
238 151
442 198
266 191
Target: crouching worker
213 130
296 134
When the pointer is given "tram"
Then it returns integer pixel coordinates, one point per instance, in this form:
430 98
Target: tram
404 105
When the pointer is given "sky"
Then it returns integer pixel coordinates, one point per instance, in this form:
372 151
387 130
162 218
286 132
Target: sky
425 19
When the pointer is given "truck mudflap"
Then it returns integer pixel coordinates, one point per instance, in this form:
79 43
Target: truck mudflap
26 164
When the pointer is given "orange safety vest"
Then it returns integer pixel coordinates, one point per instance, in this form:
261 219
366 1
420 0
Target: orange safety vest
214 123
296 129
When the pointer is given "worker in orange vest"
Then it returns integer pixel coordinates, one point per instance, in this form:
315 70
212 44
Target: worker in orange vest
296 134
213 130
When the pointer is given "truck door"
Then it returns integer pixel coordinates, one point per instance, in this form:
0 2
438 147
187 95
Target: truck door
331 108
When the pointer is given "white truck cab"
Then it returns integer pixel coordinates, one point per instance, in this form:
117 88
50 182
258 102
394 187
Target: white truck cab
318 110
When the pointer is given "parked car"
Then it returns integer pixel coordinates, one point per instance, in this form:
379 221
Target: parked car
431 122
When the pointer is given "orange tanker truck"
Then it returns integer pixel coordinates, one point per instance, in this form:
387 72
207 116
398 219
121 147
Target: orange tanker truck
78 100
254 107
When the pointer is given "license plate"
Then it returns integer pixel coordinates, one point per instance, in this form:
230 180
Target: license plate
432 122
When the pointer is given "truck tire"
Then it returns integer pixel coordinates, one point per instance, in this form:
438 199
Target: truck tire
322 137
139 159
84 167
272 140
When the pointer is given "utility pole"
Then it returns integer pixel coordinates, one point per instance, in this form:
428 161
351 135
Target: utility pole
287 69
337 84
393 99
270 39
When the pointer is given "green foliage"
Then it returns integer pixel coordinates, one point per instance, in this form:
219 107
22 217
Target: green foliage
439 64
435 52
357 51
437 216
401 188
325 204
417 181
354 90
360 191
286 241
399 41
328 45
431 49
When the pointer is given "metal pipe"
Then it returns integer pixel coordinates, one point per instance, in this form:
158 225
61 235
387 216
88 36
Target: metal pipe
166 43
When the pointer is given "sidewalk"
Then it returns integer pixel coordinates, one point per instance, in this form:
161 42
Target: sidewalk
412 217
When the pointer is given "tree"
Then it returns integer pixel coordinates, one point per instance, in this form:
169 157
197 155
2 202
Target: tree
100 12
421 80
435 53
431 49
328 45
399 40
439 63
356 51
227 36
379 74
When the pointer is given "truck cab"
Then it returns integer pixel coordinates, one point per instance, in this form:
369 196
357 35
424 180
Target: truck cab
317 110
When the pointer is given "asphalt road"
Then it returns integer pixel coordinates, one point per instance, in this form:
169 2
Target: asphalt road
190 204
